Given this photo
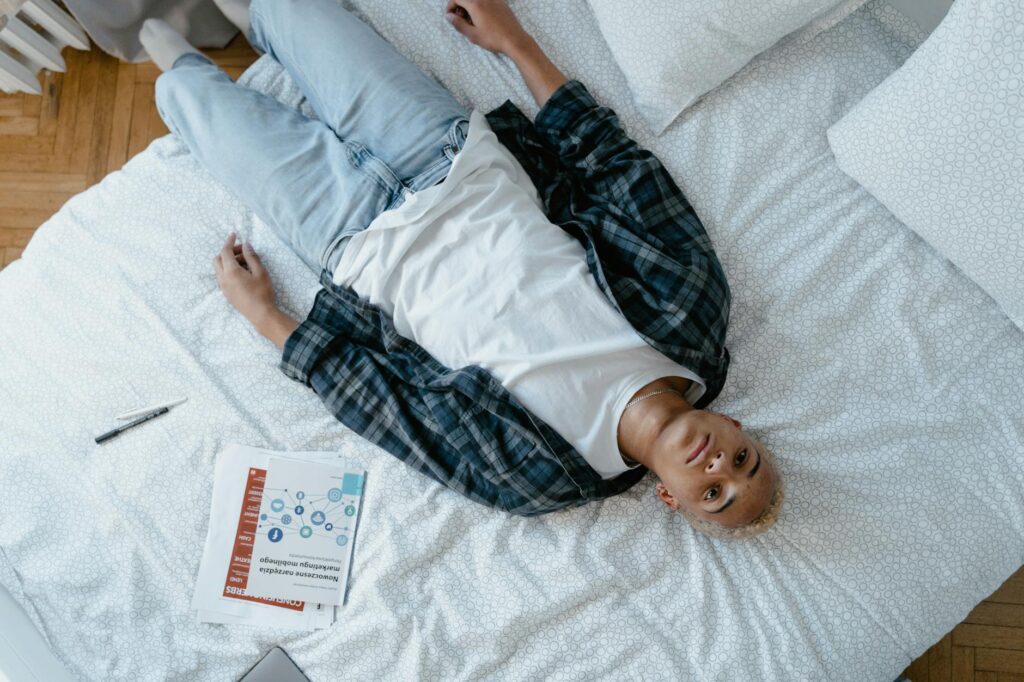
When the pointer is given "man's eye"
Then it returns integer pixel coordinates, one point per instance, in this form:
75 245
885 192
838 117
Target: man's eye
711 494
741 458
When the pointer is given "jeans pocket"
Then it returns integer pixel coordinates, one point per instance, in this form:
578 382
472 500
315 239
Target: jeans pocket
456 137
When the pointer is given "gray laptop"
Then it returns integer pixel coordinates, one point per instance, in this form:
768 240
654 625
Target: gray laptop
275 667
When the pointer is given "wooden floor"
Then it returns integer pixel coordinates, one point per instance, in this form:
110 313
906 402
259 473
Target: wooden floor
100 113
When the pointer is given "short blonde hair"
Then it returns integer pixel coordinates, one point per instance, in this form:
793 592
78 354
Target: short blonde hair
764 520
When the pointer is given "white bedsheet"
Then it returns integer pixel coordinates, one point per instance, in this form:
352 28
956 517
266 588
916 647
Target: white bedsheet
887 382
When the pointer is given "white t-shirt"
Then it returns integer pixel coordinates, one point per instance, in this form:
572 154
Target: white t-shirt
473 271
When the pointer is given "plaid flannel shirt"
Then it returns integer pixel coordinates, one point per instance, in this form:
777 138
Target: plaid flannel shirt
649 254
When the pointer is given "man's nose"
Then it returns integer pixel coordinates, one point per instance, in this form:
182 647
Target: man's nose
717 463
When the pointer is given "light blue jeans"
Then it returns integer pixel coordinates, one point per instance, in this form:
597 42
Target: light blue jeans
386 129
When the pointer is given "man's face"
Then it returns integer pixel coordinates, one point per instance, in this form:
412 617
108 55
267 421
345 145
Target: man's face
716 472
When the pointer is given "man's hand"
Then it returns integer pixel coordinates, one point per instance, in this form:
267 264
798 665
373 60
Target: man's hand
489 24
247 286
492 25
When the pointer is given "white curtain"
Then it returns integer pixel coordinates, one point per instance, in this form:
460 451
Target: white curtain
114 24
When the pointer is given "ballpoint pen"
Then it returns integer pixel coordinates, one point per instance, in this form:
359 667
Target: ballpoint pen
121 429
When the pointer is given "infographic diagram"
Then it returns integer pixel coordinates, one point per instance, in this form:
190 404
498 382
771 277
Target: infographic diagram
306 514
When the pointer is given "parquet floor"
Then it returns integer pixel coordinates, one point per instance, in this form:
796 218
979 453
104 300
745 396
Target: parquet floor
93 118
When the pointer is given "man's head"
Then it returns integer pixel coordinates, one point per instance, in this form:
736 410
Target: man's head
721 478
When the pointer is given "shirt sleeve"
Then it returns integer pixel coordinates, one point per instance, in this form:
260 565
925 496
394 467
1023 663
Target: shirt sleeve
303 348
307 342
616 172
383 391
656 259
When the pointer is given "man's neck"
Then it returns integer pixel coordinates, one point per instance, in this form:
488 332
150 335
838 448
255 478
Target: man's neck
642 425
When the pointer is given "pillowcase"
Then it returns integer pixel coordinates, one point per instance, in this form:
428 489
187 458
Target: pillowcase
941 144
674 51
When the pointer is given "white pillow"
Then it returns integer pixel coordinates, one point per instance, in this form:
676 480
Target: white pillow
674 51
941 144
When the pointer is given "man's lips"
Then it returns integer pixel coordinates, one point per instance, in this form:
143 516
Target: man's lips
700 448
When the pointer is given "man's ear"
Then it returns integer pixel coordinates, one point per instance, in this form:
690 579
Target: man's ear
665 496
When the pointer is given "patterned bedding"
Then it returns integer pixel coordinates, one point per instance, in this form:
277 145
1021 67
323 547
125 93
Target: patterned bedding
885 380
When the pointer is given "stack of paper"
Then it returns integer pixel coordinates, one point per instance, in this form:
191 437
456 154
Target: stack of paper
279 548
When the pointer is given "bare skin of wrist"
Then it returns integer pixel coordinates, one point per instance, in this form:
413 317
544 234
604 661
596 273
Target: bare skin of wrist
539 72
275 326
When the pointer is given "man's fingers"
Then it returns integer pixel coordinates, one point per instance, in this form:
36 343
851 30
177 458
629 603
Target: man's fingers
239 252
457 8
461 24
227 253
255 264
218 267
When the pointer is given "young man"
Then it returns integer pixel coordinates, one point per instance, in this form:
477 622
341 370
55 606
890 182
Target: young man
530 314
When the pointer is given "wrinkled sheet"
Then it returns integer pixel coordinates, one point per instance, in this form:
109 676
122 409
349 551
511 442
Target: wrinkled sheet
886 381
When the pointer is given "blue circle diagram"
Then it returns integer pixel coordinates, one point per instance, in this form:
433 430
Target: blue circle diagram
328 526
277 504
350 510
275 534
300 496
334 494
305 531
342 540
318 518
263 517
286 519
299 509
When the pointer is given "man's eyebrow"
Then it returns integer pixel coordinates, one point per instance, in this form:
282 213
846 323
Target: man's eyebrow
753 469
722 508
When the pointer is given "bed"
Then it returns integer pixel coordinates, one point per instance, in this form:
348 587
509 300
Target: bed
886 381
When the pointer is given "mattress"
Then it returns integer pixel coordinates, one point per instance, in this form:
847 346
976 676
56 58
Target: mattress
885 380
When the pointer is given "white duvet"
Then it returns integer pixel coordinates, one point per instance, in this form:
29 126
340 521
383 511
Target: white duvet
886 381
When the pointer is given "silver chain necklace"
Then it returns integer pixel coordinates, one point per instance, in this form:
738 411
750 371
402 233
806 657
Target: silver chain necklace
645 396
